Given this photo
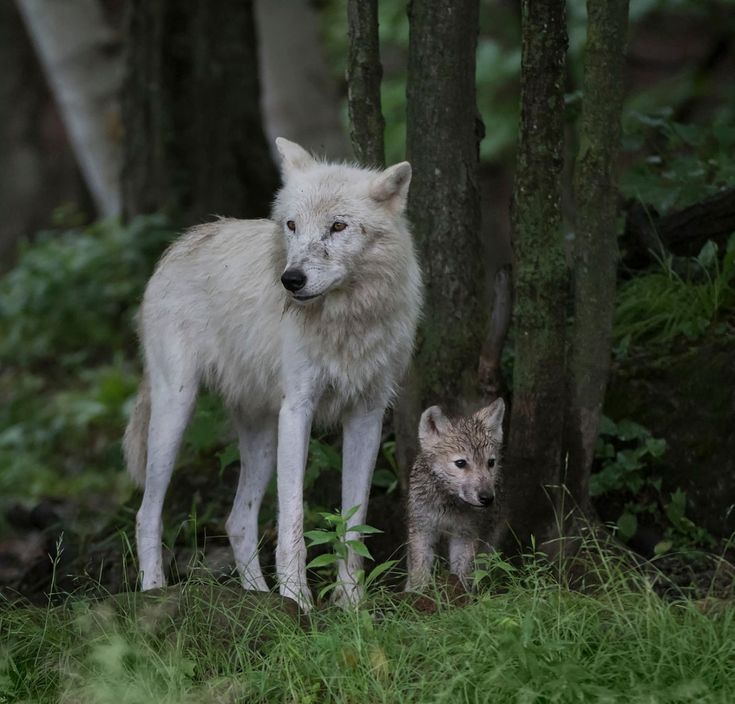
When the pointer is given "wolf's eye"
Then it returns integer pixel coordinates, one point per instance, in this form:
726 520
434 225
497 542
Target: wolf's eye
461 463
491 462
291 225
338 226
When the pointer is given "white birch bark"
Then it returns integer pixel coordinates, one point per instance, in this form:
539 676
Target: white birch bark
80 55
299 97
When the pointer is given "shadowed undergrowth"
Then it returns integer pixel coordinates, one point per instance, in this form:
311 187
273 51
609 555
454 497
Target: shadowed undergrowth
529 639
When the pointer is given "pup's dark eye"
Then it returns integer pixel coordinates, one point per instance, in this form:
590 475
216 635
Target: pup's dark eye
338 226
291 225
461 463
491 462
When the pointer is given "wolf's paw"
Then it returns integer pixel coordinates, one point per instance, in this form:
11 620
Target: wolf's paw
301 596
152 579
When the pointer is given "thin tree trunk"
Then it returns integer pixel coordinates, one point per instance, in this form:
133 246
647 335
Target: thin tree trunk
364 74
536 428
195 145
443 136
82 61
300 96
595 250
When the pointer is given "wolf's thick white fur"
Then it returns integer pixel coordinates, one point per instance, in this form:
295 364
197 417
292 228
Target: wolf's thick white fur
215 313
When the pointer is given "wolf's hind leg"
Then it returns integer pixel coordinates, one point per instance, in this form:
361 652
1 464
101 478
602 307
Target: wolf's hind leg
171 406
257 465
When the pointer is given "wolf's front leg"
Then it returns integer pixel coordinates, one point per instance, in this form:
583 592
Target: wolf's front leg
420 557
294 427
362 433
462 557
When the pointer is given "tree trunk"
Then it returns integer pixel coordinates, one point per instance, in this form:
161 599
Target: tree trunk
536 427
595 246
194 143
81 59
32 186
443 135
300 97
364 73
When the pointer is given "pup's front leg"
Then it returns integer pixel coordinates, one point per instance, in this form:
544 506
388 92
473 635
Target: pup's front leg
421 543
294 427
462 558
362 432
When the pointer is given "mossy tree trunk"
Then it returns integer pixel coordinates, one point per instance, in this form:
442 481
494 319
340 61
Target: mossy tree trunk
364 73
537 418
595 247
194 142
443 135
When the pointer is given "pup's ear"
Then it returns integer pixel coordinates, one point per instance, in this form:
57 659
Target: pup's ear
492 417
293 157
391 186
432 426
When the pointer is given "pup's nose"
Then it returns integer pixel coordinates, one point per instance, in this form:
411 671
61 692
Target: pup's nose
293 280
486 498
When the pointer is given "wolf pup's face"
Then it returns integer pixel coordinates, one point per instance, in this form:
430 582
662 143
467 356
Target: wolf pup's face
330 213
464 454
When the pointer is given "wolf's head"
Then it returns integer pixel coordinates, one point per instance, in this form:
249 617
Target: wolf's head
464 454
330 214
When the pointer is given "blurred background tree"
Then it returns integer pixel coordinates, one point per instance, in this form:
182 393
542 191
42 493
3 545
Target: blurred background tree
205 89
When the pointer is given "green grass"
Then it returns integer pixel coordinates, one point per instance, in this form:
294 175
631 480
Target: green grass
536 641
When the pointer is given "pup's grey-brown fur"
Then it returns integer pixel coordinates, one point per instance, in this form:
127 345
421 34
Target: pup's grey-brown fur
452 489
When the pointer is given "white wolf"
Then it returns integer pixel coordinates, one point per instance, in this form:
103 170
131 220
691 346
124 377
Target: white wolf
451 489
310 315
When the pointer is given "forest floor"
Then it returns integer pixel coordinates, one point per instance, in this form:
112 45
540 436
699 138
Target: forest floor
73 627
530 638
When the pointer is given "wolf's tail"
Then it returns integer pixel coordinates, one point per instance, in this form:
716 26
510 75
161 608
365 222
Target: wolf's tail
135 441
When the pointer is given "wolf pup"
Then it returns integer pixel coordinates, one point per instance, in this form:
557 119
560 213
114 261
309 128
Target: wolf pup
451 488
310 315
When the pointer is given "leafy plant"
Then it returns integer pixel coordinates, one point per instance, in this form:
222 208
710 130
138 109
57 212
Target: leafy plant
335 537
628 456
687 164
659 306
72 294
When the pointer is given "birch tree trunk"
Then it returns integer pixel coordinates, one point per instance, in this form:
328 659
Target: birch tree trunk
537 418
442 143
194 141
81 58
364 73
595 251
300 97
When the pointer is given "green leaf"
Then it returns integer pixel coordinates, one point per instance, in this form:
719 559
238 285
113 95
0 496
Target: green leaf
349 514
627 526
322 561
359 547
320 537
378 570
365 529
226 457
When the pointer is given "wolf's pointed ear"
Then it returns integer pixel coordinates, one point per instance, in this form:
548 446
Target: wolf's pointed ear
432 426
391 186
492 417
293 157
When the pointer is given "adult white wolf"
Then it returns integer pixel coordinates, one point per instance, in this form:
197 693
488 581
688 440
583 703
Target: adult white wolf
310 315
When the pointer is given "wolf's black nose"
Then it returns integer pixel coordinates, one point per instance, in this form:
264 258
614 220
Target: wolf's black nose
293 280
486 499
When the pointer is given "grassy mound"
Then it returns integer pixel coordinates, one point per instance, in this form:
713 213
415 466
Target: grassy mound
534 640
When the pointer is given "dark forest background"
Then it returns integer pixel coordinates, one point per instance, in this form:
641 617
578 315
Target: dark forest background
601 304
